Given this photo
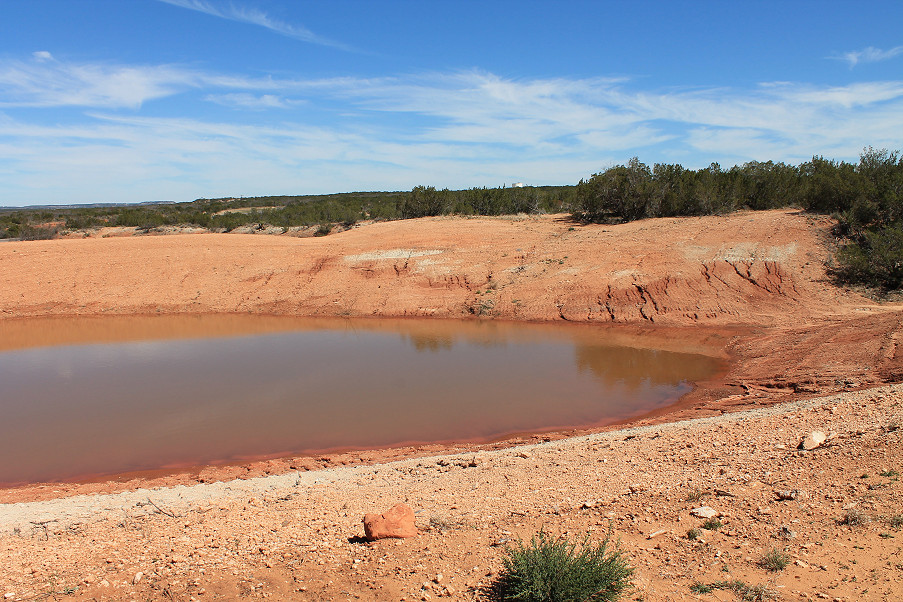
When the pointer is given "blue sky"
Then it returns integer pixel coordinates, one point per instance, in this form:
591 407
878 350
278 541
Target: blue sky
139 100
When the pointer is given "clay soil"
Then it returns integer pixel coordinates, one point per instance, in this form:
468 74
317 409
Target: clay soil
803 354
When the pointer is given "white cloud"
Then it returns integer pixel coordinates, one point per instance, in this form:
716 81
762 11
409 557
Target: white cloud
869 55
446 129
243 100
42 55
257 17
46 83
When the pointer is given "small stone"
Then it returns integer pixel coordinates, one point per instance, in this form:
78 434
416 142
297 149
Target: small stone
704 512
813 440
104 583
138 577
438 578
786 532
396 522
9 595
787 494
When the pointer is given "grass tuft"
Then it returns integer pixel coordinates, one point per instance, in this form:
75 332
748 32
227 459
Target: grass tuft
774 560
696 495
556 570
747 593
854 518
693 533
712 524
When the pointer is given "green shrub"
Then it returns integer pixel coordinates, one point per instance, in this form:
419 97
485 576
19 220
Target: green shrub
876 258
38 232
746 592
556 570
712 524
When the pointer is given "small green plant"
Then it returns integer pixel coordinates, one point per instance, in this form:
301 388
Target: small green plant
895 521
747 593
889 473
712 524
885 536
774 560
556 570
695 496
693 533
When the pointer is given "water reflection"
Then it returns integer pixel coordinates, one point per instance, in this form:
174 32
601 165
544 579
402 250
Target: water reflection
104 396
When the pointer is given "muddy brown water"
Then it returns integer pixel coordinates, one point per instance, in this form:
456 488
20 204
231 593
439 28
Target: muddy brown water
83 397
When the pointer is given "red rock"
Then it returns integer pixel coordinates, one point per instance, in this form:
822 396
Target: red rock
397 522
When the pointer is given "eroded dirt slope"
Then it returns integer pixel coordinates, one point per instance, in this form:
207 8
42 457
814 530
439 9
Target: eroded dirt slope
764 268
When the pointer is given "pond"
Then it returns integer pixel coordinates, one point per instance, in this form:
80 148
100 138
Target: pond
83 397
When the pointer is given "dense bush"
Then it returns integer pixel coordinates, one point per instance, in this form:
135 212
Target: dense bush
634 191
874 257
556 570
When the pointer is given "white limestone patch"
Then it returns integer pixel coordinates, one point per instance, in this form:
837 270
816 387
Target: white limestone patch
392 254
755 252
744 251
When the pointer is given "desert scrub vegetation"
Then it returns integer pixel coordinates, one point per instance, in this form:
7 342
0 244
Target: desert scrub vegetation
553 569
774 560
712 524
746 592
854 518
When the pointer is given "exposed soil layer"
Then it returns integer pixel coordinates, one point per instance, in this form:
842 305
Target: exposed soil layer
765 269
752 285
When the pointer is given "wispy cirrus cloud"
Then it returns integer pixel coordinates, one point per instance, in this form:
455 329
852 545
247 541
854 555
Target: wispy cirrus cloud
46 82
869 55
257 17
253 102
455 129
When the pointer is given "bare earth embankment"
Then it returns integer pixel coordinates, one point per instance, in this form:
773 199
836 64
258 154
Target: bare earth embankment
750 286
